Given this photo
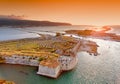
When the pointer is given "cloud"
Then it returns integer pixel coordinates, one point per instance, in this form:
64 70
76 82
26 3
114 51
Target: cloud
12 17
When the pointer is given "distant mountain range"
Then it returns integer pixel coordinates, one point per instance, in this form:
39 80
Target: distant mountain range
14 22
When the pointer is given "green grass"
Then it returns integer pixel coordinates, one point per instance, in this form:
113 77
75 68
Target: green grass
42 48
45 49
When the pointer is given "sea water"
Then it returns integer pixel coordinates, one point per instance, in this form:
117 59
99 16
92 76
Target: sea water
101 69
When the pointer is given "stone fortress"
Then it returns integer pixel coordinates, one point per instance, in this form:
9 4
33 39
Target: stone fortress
65 62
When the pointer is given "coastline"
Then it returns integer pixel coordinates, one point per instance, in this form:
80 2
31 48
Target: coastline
95 34
65 62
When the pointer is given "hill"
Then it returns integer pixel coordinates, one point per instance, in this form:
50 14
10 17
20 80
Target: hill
29 23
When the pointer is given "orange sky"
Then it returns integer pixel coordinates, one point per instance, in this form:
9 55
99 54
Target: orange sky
95 12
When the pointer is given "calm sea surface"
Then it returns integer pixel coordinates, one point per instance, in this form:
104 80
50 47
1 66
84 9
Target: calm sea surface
102 69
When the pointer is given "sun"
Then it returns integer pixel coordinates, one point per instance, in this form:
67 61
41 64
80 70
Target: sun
100 28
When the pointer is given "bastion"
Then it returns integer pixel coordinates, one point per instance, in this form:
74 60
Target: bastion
51 54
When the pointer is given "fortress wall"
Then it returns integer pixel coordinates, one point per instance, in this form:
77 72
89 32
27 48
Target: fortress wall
75 49
24 60
67 62
49 71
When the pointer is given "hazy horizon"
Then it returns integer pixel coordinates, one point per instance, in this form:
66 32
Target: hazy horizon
76 12
22 17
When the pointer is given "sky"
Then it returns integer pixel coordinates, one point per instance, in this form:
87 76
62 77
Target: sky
77 12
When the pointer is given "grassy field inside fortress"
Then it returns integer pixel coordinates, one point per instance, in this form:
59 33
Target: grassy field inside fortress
45 49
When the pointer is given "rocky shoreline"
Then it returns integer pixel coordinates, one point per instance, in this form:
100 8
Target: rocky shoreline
95 34
6 82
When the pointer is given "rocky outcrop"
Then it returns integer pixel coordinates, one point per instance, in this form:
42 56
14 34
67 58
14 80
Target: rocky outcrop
6 82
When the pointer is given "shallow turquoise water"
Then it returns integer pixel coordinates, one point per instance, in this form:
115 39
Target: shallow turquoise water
102 69
15 73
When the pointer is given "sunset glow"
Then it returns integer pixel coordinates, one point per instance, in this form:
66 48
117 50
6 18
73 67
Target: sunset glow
100 28
77 12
